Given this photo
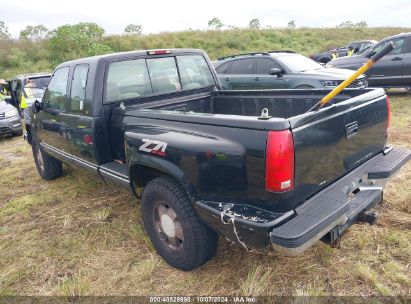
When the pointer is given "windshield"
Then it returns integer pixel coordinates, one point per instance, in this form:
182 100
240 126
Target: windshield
35 87
364 48
39 82
298 63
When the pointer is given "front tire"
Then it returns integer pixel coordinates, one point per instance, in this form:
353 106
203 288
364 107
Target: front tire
48 167
174 228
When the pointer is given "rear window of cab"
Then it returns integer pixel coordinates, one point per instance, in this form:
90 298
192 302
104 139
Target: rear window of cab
138 78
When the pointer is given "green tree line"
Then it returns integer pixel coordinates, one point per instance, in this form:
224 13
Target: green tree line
40 49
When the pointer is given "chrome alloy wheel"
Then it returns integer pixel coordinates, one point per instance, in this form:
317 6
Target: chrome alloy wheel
168 226
39 157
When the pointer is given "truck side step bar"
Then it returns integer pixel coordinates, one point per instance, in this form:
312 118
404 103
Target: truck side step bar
115 172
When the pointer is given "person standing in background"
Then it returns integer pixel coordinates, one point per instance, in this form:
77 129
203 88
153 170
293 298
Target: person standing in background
334 54
4 91
350 51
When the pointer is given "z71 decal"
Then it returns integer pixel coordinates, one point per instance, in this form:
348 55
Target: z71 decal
154 147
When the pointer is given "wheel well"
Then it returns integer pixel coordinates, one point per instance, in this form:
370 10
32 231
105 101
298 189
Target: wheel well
142 175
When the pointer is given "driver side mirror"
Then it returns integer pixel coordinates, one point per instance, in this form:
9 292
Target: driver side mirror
276 71
37 106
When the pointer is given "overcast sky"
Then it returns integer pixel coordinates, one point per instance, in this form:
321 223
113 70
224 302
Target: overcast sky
165 15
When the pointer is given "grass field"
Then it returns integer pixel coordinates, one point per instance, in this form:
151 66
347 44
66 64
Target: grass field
75 236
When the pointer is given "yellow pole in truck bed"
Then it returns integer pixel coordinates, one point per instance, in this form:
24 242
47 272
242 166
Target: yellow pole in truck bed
388 48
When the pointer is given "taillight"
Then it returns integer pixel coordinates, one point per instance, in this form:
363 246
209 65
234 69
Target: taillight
87 139
279 161
387 100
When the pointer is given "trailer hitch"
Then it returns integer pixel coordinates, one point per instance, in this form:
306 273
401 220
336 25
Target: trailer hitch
369 217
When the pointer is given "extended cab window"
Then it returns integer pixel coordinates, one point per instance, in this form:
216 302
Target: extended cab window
56 94
78 89
127 79
194 72
243 66
164 75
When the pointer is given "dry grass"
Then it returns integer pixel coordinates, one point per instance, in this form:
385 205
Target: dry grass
75 236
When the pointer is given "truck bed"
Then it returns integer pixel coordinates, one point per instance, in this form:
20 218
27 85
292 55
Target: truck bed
328 143
279 103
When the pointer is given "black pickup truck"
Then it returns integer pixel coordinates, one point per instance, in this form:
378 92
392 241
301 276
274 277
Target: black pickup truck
254 166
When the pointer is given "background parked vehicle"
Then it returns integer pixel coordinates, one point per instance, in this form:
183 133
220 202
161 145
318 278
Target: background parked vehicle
393 70
29 86
25 90
278 70
9 119
357 46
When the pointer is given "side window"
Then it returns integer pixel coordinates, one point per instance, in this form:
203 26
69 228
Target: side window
56 93
78 89
223 69
398 46
127 80
407 48
264 65
194 72
243 66
163 75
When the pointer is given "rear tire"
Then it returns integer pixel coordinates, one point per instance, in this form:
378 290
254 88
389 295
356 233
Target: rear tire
48 167
174 228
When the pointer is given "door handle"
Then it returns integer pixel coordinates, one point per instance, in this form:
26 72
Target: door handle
226 78
396 59
257 78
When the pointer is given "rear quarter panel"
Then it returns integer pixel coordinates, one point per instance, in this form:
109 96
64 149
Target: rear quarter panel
210 161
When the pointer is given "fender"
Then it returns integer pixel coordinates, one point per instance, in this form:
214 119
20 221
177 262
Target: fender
204 164
149 153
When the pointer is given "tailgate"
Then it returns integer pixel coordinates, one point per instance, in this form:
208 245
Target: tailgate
334 140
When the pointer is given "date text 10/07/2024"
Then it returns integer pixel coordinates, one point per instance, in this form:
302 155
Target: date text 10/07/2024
202 299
